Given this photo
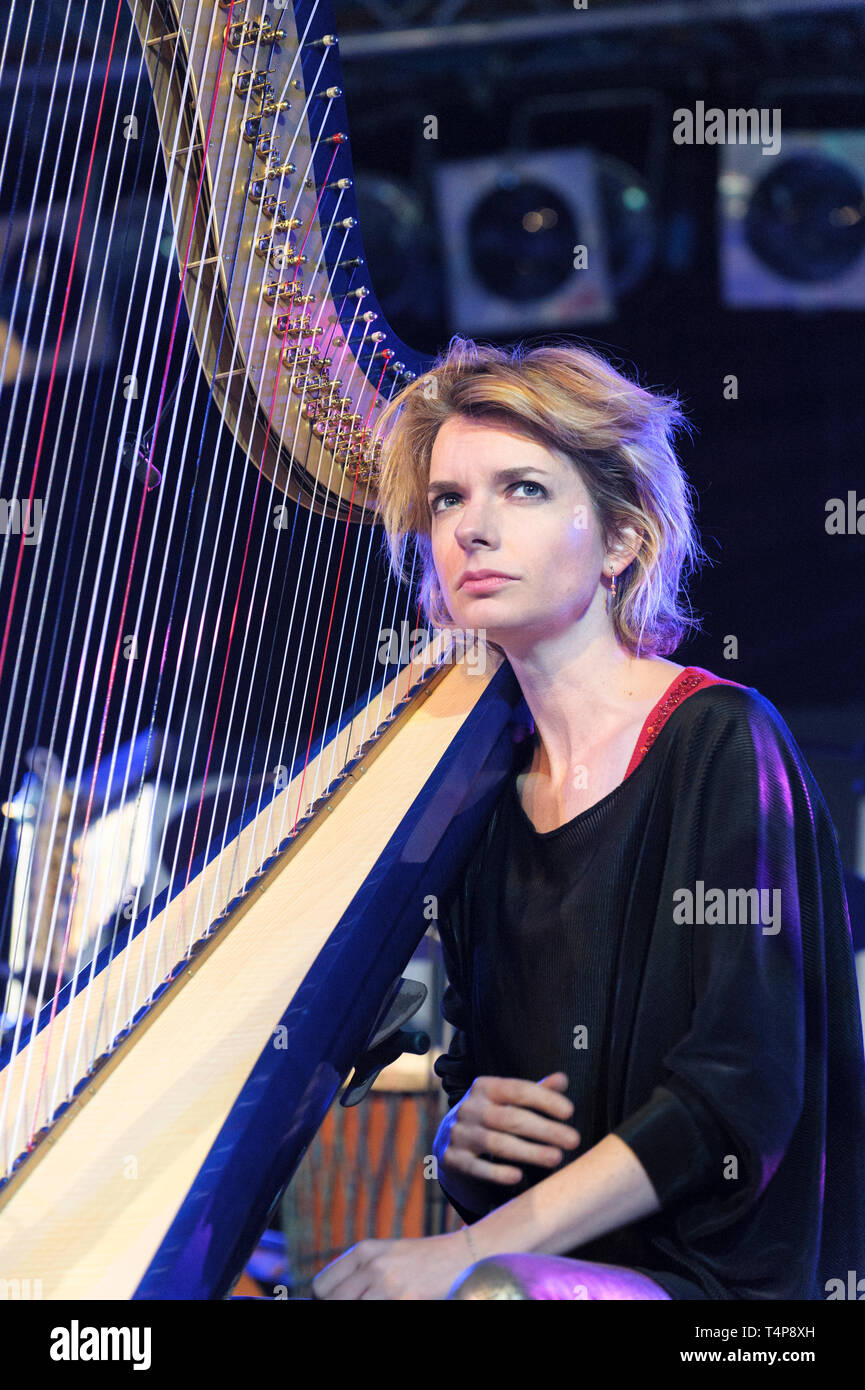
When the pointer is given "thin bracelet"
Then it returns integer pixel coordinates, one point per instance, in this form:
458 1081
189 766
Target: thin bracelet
474 1254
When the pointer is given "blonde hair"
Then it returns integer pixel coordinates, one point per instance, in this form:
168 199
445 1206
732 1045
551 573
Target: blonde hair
571 400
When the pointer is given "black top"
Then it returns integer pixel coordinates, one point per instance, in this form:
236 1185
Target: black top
724 1045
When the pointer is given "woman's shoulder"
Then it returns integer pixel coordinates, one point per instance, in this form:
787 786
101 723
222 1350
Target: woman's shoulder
720 695
723 714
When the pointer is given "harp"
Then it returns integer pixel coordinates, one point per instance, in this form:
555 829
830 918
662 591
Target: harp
228 802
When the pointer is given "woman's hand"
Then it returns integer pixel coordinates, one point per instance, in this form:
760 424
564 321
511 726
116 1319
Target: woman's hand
504 1118
395 1269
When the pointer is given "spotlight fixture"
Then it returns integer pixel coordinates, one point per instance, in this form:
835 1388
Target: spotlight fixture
793 227
524 240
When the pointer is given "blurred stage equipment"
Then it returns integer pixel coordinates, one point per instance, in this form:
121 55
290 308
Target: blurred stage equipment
39 247
525 239
792 226
97 875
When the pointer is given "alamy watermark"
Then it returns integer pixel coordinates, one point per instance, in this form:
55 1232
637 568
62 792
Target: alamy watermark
740 126
21 518
853 1287
397 647
77 1343
730 906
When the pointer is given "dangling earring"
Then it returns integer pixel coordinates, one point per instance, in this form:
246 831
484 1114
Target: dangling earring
612 594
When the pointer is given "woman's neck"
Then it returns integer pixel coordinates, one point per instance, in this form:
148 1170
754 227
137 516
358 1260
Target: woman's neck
586 702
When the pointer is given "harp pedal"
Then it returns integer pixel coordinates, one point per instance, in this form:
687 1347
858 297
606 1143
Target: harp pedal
388 1039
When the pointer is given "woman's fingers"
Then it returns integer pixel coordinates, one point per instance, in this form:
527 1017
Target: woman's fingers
522 1108
558 1080
505 1121
532 1095
501 1144
525 1124
470 1165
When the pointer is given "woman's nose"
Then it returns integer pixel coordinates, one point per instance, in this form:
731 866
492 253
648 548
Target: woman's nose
476 523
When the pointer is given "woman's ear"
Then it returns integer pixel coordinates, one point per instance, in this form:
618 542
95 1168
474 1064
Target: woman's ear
625 546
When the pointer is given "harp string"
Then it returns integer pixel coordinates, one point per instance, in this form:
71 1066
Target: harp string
9 130
30 313
331 620
175 952
46 135
57 533
127 590
203 783
235 776
284 335
61 508
232 629
159 411
16 294
59 338
130 35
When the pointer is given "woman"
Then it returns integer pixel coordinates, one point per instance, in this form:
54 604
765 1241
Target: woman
656 1076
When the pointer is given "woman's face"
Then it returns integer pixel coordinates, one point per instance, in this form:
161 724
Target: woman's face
501 502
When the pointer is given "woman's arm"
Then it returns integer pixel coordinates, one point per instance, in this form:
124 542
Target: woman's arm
605 1188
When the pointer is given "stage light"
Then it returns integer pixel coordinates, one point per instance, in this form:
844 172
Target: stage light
793 233
524 240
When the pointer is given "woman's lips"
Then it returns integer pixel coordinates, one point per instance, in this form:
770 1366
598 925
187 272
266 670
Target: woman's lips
482 586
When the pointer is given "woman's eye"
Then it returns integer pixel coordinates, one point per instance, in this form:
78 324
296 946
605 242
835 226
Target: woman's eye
526 482
434 505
